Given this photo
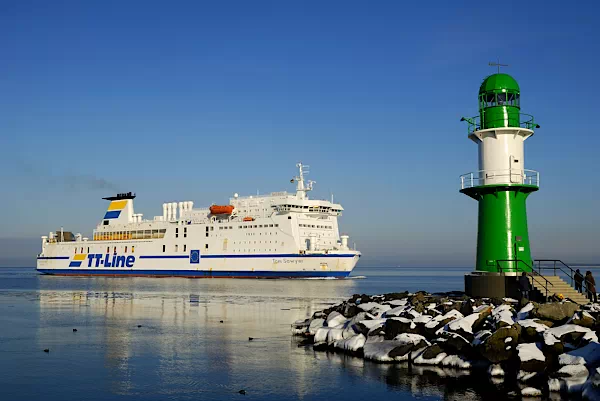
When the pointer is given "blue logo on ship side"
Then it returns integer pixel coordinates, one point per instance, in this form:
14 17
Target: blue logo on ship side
108 260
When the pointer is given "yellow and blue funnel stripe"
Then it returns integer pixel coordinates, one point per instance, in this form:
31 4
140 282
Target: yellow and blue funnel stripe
114 209
77 259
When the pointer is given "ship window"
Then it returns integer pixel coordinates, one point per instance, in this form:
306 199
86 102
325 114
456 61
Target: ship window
88 251
205 246
255 226
212 229
105 222
81 249
176 247
270 225
289 217
184 247
207 234
155 234
276 225
164 248
75 249
125 249
108 249
148 234
132 248
115 250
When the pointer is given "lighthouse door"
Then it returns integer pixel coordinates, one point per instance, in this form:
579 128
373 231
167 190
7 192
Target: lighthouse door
516 170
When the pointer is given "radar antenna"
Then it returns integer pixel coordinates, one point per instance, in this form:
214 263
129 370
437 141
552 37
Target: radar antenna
301 187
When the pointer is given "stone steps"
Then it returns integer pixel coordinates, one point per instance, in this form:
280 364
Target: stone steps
556 285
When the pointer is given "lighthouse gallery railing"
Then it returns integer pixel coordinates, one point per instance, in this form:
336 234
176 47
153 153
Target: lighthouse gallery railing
508 176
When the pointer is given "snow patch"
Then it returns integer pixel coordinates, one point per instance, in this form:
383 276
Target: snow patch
531 392
553 335
456 361
495 370
465 323
587 355
530 352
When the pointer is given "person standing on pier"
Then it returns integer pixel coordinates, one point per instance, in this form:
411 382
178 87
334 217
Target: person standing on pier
590 284
524 285
578 281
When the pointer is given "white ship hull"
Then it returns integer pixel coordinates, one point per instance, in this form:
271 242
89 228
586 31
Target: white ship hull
233 266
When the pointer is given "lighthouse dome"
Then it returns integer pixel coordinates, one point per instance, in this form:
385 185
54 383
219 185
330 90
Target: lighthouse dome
499 83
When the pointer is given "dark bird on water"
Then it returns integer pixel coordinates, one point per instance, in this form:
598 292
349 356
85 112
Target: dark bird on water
139 325
46 350
74 330
250 338
220 321
243 392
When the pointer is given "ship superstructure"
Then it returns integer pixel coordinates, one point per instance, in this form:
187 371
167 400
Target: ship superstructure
276 235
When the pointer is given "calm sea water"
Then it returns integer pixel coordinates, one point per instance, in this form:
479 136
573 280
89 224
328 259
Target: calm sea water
184 352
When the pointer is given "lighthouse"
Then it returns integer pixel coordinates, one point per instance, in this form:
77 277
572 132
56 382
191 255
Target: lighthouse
501 186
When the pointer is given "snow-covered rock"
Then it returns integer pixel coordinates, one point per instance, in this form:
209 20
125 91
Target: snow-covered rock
586 355
314 325
531 392
553 335
380 350
335 319
531 358
573 371
432 355
496 370
465 324
374 308
524 312
456 361
352 344
321 335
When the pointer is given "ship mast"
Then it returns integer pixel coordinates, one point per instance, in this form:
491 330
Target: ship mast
302 189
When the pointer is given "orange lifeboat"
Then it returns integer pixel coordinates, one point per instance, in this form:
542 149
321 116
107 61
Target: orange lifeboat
248 218
215 209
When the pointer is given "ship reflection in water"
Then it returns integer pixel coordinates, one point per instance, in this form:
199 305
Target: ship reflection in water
193 343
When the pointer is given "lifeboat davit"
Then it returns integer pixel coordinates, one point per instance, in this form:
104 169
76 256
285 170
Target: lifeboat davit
248 218
216 209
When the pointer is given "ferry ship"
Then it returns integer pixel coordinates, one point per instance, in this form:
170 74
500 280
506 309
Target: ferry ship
279 235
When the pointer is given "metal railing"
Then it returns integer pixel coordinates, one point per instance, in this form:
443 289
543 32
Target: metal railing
531 273
525 121
508 176
562 267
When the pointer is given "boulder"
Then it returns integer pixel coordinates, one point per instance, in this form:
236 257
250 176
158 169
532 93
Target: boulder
399 325
432 355
582 318
531 358
455 344
496 348
555 312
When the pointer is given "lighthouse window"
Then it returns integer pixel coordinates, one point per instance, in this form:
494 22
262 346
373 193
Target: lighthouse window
501 99
490 100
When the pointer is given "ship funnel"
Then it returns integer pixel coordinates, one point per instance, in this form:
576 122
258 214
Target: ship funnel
191 204
180 204
164 216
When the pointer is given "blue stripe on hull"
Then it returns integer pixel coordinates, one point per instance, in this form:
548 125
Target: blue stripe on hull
193 273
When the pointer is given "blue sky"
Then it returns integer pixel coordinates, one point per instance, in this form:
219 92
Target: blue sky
198 100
